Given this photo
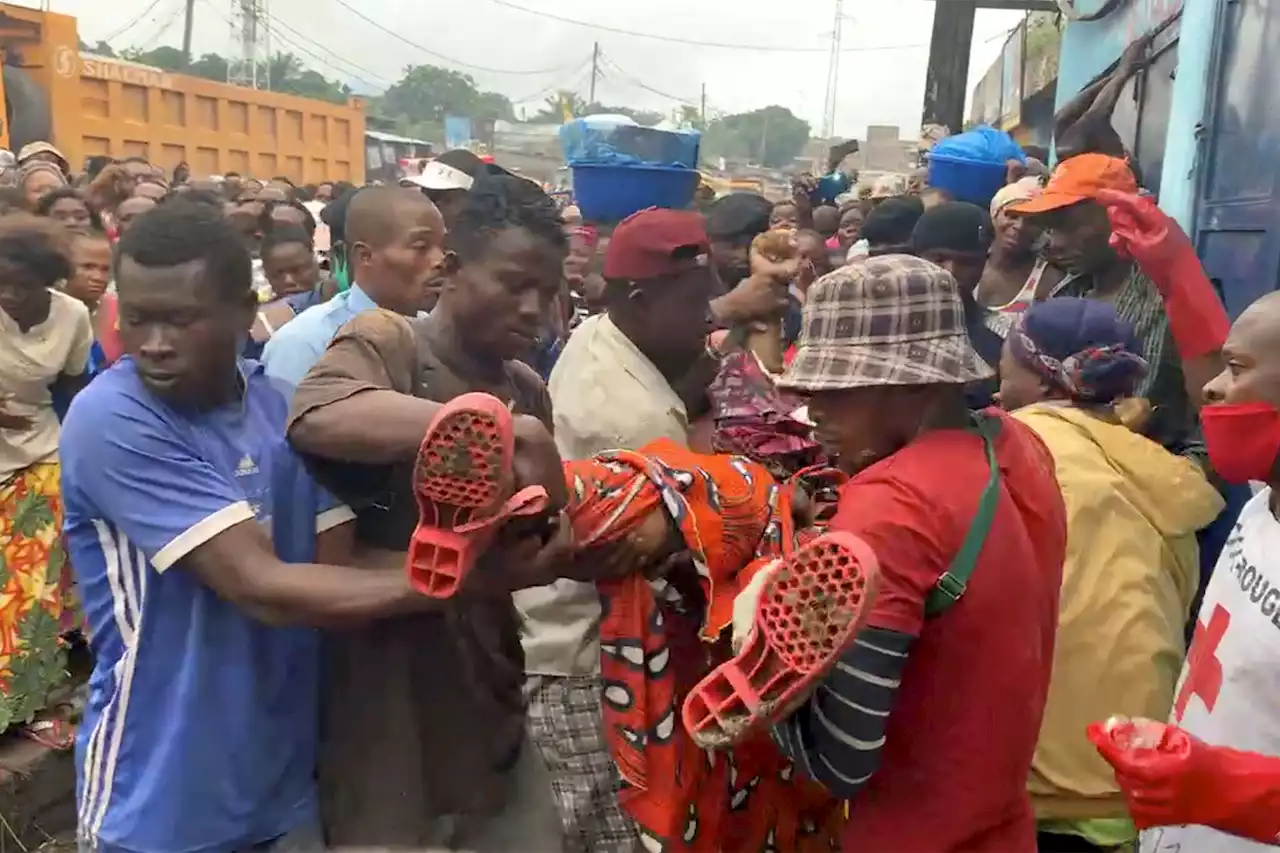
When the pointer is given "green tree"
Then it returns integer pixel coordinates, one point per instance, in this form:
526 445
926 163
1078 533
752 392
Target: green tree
210 66
691 116
286 71
771 136
165 57
553 108
427 93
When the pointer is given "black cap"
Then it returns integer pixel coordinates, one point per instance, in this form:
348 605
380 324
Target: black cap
738 217
957 226
334 214
891 221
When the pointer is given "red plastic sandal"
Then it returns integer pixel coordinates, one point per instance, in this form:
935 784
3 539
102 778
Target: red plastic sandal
463 482
808 612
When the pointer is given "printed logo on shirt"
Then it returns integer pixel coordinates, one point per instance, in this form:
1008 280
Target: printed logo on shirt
246 467
1204 669
1264 594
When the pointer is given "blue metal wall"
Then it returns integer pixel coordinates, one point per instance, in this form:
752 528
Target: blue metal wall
1089 48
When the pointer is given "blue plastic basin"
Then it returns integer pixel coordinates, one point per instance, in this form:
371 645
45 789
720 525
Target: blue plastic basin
966 180
611 193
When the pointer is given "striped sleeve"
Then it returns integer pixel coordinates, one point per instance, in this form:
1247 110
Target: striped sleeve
837 736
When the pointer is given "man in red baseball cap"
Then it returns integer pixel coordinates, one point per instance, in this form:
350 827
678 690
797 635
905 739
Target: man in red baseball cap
619 383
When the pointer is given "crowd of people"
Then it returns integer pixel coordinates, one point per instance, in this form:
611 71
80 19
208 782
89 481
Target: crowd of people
434 517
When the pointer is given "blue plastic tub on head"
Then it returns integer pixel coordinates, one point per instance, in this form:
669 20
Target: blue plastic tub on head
611 193
966 180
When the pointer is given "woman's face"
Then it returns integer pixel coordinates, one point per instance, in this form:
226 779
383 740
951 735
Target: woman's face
39 184
1018 386
1014 234
23 296
72 212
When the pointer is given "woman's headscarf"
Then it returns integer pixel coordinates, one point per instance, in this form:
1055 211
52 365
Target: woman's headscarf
1017 192
734 519
1080 347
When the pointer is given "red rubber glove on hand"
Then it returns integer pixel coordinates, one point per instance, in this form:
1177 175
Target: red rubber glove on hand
1162 250
1170 778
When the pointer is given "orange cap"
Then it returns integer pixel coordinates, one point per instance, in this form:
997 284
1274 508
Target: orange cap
1078 179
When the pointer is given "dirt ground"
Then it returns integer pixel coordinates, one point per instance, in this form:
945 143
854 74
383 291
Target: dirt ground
37 784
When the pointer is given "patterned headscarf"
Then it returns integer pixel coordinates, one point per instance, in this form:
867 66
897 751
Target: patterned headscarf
734 519
1081 347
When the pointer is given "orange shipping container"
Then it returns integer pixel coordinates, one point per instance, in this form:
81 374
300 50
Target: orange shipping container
88 104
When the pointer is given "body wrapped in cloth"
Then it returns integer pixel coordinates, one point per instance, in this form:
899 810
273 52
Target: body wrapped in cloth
659 637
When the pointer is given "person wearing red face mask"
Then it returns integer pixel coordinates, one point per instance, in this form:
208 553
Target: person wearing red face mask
1210 780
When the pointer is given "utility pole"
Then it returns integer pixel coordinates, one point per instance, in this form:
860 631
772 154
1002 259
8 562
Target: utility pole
703 111
595 71
833 74
187 27
764 139
945 81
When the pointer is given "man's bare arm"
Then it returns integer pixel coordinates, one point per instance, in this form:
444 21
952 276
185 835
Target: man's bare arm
372 427
241 566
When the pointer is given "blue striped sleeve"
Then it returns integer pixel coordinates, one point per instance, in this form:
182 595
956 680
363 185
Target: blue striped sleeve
836 737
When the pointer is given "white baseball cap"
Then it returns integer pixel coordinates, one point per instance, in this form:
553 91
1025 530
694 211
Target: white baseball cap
441 176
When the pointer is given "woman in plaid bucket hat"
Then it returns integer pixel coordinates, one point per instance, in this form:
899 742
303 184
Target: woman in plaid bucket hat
929 723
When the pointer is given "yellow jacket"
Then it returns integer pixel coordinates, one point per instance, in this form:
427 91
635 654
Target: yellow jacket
1131 572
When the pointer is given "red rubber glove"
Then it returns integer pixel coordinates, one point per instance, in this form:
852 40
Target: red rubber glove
1162 250
1170 778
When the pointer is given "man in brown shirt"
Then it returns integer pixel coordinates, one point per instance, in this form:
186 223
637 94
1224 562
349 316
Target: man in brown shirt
423 722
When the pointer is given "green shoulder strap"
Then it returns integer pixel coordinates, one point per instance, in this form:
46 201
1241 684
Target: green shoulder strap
955 579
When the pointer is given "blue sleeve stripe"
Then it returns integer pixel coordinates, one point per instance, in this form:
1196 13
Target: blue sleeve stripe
837 736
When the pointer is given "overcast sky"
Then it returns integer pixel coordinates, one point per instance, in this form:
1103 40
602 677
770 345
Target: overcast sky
882 66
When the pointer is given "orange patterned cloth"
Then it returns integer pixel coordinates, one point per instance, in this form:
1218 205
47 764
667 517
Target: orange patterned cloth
734 518
36 603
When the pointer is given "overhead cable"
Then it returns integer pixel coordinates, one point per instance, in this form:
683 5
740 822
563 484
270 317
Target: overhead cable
362 16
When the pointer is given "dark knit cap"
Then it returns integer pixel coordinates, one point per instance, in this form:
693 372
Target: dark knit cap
891 221
956 226
738 217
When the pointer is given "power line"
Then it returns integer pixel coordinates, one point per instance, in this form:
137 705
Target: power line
695 42
326 63
579 76
133 23
639 83
281 24
361 15
306 52
178 10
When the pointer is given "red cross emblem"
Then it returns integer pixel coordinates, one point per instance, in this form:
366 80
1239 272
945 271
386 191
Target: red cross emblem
1204 670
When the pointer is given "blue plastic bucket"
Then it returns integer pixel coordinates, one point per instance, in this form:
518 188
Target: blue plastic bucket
611 193
966 180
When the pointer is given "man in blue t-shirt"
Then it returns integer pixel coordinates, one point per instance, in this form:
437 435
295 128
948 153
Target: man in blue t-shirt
193 530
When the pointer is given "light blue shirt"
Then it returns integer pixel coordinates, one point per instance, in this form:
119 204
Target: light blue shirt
298 345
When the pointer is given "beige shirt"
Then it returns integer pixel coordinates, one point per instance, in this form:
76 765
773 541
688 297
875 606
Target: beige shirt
605 394
30 362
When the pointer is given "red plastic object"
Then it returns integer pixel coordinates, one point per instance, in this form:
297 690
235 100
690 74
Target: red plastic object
1170 778
462 479
1140 230
809 610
